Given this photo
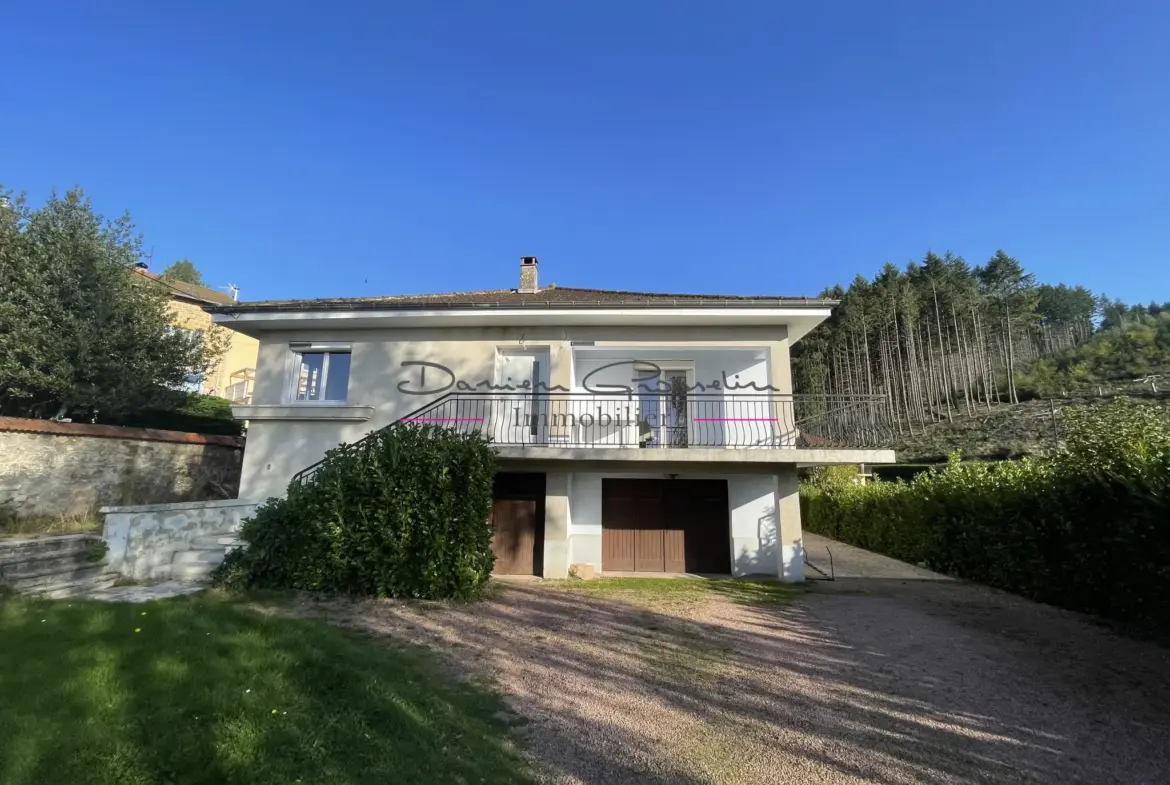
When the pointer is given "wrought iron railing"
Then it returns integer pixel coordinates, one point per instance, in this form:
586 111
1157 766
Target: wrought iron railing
661 420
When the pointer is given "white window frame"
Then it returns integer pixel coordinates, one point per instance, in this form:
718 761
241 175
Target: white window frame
292 375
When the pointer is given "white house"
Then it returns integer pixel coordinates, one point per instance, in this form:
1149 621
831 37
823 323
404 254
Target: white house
636 432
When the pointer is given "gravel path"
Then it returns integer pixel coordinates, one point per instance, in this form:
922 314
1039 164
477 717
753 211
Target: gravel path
893 675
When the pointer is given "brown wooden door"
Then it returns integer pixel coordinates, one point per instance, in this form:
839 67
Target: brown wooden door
665 526
617 526
514 536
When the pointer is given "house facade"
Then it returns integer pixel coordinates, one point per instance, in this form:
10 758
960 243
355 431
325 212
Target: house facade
235 372
636 432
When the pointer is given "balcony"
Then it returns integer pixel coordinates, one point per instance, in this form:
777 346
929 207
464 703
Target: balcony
744 427
240 388
671 421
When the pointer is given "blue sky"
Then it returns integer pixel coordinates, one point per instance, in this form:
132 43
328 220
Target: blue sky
315 149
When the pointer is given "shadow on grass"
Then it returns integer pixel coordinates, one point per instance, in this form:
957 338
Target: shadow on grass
206 690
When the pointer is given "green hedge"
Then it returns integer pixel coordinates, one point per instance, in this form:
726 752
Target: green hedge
1088 530
402 514
901 471
191 412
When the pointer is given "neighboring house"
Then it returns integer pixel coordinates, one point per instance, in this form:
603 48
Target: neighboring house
636 432
233 376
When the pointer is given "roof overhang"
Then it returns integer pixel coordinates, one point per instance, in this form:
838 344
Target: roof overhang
798 320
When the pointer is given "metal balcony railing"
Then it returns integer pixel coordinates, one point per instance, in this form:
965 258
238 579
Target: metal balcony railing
662 420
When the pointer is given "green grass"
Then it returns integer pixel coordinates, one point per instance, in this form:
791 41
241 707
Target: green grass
682 590
13 527
211 691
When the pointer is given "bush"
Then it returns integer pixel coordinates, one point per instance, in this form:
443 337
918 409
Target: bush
189 412
403 513
1087 530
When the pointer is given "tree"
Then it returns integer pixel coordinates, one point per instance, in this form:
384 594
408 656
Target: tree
79 331
183 270
1005 282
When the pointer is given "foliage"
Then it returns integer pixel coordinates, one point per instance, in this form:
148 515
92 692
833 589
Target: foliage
1088 530
97 551
1126 355
200 405
184 691
183 411
183 270
404 513
80 332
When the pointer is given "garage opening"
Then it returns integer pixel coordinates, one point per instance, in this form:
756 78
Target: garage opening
665 526
518 523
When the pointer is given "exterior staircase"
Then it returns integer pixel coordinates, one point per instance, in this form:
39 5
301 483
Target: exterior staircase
55 567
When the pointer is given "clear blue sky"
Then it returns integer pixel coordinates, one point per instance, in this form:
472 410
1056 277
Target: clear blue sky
312 149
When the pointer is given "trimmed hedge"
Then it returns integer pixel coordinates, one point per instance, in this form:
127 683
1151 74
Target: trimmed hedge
404 513
191 412
1088 530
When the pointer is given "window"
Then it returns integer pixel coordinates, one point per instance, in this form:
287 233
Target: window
321 376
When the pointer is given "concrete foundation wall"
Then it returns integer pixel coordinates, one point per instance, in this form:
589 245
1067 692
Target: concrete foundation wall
143 540
755 540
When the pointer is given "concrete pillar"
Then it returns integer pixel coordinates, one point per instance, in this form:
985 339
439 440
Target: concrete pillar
791 551
560 379
783 409
556 525
780 366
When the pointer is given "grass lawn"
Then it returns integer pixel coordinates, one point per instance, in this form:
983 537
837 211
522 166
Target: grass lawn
206 690
682 590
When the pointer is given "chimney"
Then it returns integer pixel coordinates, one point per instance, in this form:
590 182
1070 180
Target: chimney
528 265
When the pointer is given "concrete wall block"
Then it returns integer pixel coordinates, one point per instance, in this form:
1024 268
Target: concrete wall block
145 541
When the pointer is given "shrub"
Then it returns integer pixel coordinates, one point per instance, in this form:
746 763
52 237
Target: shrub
1088 530
189 412
403 513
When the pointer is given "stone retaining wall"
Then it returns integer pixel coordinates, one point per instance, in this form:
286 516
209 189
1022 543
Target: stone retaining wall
55 469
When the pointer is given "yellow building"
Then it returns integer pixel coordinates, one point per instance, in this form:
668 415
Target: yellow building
233 375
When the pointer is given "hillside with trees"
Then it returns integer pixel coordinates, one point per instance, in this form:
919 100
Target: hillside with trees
957 353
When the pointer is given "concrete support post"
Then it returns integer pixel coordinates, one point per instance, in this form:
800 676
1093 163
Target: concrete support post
784 407
556 525
560 378
791 552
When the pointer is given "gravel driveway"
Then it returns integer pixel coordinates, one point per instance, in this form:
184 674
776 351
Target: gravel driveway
892 675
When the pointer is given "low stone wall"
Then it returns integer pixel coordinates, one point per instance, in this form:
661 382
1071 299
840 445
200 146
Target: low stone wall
55 469
144 539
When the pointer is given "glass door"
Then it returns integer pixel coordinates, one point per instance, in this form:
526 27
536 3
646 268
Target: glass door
662 410
520 410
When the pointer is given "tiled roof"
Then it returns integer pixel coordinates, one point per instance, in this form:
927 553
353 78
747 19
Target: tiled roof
191 291
548 297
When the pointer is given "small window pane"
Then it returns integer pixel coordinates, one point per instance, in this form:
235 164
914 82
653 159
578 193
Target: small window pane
337 383
309 381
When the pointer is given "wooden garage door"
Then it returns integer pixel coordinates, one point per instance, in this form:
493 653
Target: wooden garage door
665 526
518 523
